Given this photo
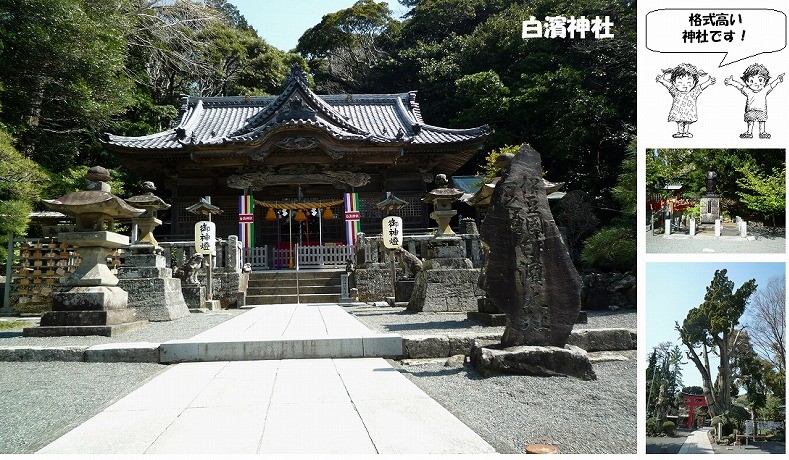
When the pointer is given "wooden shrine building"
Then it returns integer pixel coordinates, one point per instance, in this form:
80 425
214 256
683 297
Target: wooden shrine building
297 147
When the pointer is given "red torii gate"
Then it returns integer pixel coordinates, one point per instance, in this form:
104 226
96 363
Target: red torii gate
692 402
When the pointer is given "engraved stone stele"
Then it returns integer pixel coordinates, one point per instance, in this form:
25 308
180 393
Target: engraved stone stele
153 291
529 275
447 281
91 302
710 203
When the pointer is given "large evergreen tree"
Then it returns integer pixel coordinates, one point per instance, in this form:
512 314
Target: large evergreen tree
712 328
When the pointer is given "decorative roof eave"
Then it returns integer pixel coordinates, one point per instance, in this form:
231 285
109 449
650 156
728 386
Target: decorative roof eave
297 83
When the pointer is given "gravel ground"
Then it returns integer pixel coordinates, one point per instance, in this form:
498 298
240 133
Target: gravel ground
154 332
667 444
512 411
760 241
41 401
405 322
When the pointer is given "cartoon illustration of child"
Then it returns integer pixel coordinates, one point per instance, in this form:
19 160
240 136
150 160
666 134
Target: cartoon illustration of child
756 78
682 82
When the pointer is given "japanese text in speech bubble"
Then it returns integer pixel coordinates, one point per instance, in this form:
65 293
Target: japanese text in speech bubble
738 33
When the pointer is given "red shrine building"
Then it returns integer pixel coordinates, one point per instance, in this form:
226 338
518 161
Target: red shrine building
296 155
692 403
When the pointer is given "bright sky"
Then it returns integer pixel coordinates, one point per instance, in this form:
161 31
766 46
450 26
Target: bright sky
674 288
281 23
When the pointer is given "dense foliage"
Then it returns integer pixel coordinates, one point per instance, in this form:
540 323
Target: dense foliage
751 182
82 67
712 327
74 69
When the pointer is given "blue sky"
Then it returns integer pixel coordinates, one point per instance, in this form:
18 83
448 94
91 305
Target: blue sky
672 289
281 23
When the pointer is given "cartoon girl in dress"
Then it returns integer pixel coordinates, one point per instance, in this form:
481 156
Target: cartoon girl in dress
682 82
756 88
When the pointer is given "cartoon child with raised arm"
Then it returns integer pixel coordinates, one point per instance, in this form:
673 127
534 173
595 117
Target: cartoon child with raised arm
682 82
756 78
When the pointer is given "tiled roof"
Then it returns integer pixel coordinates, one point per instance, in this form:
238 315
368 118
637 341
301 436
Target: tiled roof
370 118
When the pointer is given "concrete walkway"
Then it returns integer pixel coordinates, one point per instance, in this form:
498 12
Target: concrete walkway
285 331
296 406
303 406
698 442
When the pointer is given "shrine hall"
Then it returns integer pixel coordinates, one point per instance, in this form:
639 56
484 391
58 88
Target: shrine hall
297 167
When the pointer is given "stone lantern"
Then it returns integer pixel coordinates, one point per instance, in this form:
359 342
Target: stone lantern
442 198
153 291
92 303
146 222
448 281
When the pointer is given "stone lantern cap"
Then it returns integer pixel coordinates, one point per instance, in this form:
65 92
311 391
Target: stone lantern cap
97 199
148 200
443 193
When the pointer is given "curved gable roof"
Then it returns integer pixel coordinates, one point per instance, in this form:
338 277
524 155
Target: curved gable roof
369 118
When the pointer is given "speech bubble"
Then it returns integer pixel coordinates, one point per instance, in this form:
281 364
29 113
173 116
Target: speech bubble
751 31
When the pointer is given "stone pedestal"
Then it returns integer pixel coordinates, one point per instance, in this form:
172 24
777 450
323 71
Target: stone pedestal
194 296
447 281
488 313
94 305
153 292
403 290
710 206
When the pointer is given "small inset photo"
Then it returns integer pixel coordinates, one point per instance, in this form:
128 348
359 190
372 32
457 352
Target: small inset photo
716 358
716 201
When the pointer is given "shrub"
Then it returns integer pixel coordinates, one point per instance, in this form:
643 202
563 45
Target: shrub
612 248
653 426
669 428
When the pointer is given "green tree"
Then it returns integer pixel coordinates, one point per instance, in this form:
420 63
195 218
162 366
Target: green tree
67 80
712 326
346 46
762 192
21 182
693 390
664 380
614 247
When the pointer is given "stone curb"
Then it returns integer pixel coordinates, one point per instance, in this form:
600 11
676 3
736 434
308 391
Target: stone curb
446 345
413 346
138 352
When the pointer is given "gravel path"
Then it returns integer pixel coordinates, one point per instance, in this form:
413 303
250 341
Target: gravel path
512 411
154 332
404 322
41 401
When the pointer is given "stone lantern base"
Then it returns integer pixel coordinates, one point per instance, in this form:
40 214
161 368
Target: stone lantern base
94 305
447 282
95 310
153 292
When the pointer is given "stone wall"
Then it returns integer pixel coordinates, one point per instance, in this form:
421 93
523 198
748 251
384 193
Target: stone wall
604 291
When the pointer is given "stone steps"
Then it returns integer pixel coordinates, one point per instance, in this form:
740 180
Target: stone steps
303 289
279 287
253 300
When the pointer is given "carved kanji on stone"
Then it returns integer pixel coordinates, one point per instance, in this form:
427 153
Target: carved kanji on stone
528 273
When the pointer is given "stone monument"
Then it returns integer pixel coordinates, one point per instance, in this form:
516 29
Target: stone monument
529 275
710 203
153 291
447 281
91 302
